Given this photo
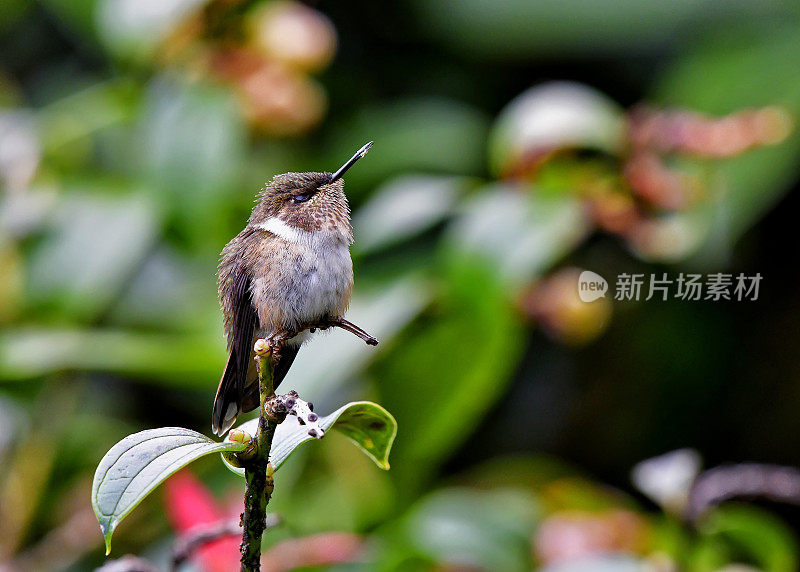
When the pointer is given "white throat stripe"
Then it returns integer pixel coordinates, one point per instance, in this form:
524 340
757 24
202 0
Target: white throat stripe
289 233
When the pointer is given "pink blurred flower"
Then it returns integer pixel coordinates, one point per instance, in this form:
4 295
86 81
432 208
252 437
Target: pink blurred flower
190 504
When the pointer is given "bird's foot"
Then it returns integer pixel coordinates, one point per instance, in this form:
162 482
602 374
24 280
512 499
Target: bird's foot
271 347
347 326
276 344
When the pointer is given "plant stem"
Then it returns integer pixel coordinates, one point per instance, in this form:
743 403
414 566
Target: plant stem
258 476
188 543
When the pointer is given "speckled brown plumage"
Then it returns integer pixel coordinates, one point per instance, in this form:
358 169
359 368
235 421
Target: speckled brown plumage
327 209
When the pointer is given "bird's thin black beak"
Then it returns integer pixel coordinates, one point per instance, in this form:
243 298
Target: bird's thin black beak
360 153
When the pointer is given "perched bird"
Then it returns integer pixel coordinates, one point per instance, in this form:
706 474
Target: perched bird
288 270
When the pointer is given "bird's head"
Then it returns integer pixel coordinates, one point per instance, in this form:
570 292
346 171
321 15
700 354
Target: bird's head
306 201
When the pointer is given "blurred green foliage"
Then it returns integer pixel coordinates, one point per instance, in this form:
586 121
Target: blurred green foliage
134 136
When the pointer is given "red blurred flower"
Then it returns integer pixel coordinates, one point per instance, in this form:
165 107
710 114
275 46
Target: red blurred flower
190 504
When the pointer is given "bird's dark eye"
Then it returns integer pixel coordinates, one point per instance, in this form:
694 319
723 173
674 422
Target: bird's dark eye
301 197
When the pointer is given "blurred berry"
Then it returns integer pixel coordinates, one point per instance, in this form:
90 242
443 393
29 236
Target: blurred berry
274 98
293 34
570 536
613 211
667 238
554 303
657 185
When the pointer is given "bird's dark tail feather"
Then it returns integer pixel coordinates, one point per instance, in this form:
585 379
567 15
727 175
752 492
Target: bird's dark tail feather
236 395
227 402
288 353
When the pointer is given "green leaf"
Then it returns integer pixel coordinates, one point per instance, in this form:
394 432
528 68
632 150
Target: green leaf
368 425
443 527
404 208
73 270
192 142
516 230
132 30
523 30
177 360
445 375
762 538
138 464
426 135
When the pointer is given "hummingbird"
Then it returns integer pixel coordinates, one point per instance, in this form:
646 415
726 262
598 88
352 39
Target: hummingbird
287 273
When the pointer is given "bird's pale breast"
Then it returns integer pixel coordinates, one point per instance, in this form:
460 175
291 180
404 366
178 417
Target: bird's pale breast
301 278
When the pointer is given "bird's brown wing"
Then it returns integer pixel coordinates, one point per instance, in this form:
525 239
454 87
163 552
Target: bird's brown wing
238 388
232 387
